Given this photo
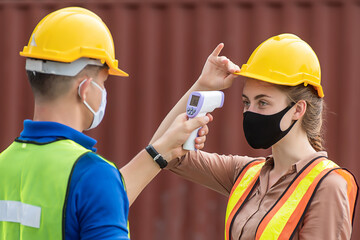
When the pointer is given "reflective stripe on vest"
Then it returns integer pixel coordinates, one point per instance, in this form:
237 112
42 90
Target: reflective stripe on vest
352 190
18 212
284 217
241 189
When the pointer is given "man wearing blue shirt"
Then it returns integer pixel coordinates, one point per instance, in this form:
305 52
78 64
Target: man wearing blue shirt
53 184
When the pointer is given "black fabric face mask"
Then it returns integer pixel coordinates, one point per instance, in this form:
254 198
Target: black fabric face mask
263 131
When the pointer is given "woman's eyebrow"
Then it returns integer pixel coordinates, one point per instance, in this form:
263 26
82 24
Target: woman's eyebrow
261 96
257 97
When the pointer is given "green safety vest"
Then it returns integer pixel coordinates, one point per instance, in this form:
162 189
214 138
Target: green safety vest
34 180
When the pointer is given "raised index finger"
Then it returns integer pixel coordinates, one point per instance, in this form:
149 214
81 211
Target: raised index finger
217 50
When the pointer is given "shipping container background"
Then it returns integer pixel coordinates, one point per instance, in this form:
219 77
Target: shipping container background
163 46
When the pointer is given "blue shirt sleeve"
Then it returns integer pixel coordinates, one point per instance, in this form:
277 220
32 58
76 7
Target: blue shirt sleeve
97 205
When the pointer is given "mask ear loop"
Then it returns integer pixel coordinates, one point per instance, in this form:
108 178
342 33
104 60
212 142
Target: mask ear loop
80 85
97 85
292 104
86 104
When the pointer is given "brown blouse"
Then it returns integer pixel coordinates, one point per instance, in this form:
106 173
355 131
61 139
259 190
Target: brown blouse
327 217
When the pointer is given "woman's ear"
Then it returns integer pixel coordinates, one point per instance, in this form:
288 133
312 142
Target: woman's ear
300 109
83 87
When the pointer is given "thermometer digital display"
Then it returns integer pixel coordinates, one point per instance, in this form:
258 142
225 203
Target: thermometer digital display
194 100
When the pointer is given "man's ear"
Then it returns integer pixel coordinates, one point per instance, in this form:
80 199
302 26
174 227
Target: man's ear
83 86
300 109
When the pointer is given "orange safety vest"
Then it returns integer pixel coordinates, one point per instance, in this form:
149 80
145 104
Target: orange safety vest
283 218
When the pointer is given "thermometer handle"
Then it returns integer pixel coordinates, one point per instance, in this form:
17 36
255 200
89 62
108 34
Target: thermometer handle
190 142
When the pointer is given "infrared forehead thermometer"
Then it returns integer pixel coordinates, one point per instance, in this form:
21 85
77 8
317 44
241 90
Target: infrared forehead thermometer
199 104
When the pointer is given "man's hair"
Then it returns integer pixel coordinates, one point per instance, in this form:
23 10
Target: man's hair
50 86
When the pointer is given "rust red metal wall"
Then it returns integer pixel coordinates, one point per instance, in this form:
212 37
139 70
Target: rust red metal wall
163 45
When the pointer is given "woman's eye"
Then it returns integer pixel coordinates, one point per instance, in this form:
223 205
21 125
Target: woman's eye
263 103
246 103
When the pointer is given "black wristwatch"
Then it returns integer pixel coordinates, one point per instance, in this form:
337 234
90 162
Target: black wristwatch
156 156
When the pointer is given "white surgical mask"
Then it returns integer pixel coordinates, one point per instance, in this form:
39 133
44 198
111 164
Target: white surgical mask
99 115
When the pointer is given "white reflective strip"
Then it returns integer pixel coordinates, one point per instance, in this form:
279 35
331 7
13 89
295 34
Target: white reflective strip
25 214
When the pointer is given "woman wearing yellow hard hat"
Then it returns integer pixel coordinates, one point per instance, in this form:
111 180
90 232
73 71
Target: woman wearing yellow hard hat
297 192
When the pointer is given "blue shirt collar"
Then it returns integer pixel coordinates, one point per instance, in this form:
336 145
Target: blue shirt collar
41 131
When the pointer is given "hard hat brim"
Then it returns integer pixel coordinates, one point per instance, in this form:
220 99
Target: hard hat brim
117 72
317 87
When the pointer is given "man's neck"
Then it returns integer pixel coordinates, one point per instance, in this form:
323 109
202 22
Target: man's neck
60 112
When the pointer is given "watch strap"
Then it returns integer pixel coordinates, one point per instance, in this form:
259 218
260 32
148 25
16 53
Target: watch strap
156 156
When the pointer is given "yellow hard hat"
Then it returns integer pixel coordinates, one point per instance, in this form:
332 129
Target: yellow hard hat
69 34
285 60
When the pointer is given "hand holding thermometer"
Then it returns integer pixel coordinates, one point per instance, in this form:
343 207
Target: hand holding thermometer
199 104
